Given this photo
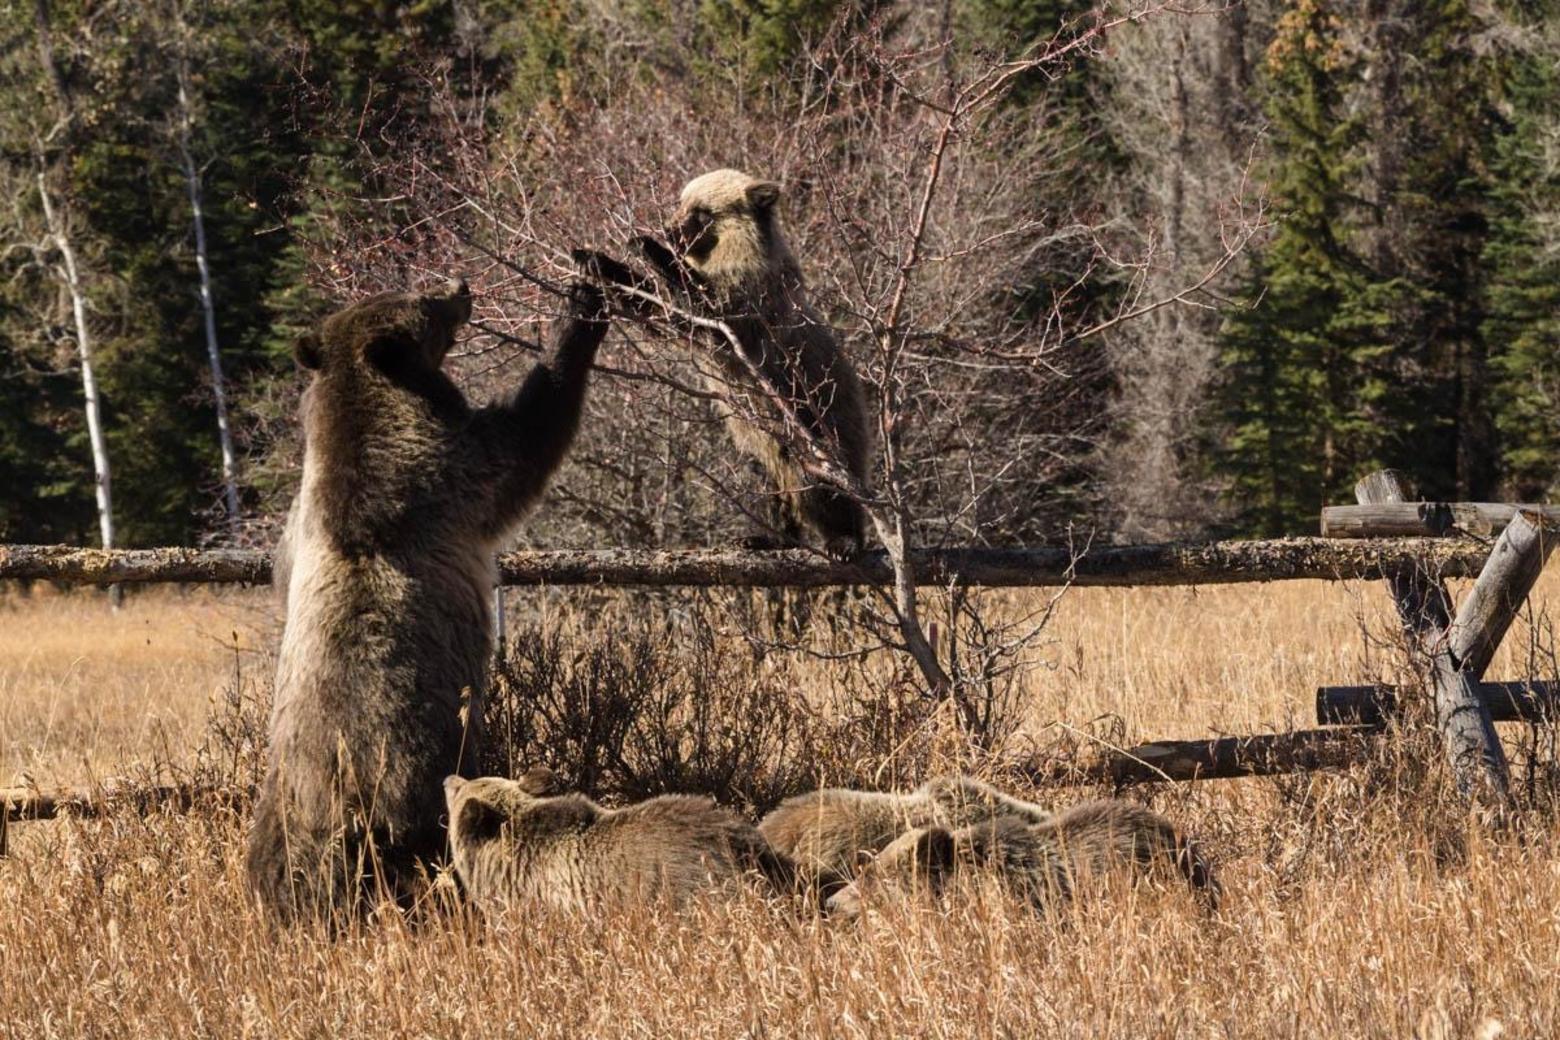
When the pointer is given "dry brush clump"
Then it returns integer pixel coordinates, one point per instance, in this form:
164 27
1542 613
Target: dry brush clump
631 695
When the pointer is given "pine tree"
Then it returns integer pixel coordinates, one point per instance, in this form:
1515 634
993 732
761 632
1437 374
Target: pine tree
1431 207
42 501
1523 261
1302 363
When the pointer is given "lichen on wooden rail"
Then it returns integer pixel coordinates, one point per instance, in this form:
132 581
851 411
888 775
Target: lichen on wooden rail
71 565
1207 563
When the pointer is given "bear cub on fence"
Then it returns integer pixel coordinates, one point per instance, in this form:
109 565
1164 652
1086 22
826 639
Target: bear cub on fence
515 846
386 566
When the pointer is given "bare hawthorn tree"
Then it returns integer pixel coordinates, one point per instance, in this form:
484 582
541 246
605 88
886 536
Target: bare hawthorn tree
914 202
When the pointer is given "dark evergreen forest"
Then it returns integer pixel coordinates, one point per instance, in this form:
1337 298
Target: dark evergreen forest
1216 262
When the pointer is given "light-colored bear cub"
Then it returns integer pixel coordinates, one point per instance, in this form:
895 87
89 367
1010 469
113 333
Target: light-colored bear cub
513 847
1038 862
830 833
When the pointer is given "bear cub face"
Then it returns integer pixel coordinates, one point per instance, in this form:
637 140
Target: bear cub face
725 219
478 808
390 331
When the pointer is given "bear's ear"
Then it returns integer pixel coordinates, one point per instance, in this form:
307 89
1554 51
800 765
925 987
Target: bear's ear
763 195
309 351
478 821
540 782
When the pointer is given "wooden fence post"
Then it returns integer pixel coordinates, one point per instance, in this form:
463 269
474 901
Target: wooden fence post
1477 758
1503 585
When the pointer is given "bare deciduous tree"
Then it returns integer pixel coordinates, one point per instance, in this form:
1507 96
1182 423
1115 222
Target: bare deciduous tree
1179 107
50 136
917 205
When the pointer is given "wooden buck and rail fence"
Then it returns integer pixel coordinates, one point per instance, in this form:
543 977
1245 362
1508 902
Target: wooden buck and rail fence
1413 546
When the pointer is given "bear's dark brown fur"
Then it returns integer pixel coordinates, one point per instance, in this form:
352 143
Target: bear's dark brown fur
387 570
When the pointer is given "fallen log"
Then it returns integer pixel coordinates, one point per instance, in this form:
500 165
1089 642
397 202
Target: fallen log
1210 563
1374 705
1220 758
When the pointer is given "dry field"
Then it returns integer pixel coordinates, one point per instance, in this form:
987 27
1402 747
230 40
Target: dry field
1357 905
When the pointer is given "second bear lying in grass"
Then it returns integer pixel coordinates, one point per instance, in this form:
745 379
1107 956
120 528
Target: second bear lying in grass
1038 861
517 844
831 833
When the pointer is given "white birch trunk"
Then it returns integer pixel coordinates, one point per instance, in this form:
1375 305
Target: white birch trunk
500 624
192 179
78 306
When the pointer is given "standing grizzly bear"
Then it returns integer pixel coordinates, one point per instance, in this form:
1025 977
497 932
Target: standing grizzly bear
1037 861
386 566
829 833
512 847
731 262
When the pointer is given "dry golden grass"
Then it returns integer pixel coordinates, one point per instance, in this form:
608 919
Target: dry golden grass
87 692
1351 909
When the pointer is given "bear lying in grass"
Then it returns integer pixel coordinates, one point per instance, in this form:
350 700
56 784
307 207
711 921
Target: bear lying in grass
1039 862
831 832
515 846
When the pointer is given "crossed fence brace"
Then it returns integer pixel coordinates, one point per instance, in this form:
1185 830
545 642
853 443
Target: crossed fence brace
1451 647
1455 648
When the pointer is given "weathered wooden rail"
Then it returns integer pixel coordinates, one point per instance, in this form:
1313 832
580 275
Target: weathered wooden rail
26 803
1160 760
1209 563
1217 758
1519 701
1392 519
1387 537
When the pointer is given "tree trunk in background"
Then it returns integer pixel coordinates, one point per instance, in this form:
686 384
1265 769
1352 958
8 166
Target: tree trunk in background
192 178
59 233
1179 117
1235 78
1387 34
78 308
